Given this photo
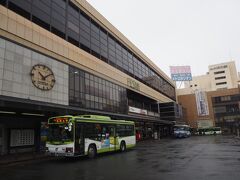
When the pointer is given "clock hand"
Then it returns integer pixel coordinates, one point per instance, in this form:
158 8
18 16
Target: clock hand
48 75
43 78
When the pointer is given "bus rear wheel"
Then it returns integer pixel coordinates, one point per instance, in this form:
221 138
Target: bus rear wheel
122 146
92 152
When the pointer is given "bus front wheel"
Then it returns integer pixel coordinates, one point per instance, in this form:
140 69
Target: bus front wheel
92 152
122 146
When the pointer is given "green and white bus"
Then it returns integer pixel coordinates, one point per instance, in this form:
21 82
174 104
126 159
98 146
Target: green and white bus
209 131
88 135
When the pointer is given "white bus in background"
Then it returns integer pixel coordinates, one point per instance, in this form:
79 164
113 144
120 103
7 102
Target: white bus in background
181 131
209 131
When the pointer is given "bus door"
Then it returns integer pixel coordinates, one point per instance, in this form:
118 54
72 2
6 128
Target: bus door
112 137
79 139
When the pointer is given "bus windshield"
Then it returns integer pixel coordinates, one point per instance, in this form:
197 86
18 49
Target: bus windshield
60 132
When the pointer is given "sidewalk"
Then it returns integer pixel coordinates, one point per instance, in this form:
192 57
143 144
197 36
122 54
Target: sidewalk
11 159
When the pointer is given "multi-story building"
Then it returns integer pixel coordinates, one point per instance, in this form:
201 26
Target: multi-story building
226 110
219 76
62 57
223 110
203 98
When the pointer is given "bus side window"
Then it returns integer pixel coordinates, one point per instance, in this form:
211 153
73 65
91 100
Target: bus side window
121 130
92 131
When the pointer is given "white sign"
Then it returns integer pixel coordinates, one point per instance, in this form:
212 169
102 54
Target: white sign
137 110
151 113
202 104
204 123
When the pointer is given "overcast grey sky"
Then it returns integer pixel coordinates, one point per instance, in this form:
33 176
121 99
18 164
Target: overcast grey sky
179 32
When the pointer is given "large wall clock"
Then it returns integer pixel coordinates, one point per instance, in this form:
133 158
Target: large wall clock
42 77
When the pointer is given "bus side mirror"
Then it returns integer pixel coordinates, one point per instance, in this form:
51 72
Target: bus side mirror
70 127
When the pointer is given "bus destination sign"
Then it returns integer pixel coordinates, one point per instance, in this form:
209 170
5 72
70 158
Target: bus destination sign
59 120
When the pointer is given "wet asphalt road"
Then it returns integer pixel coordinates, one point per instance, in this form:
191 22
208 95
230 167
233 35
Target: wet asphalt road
207 158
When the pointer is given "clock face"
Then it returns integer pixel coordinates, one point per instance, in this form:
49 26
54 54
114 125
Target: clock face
42 77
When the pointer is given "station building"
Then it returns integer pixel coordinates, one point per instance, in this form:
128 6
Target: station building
61 57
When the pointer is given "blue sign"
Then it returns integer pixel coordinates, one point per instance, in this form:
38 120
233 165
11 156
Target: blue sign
181 77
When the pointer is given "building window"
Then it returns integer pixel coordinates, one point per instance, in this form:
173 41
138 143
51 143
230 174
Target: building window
41 12
23 8
221 83
219 72
221 77
89 91
225 98
21 137
73 24
58 17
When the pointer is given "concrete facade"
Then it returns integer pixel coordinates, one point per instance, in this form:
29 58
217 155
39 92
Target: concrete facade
219 76
16 64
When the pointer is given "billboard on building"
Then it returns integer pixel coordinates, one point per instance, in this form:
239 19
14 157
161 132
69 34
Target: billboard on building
202 104
137 110
181 73
204 123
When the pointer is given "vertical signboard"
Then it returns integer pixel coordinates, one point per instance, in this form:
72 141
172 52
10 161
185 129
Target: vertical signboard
202 104
181 73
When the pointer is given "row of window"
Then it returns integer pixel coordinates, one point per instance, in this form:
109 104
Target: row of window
221 77
221 83
219 72
227 109
66 20
101 132
92 92
232 98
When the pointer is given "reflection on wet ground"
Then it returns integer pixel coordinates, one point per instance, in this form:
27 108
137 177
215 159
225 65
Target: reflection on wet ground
206 157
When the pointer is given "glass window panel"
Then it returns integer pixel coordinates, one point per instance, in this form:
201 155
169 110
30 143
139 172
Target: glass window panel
77 80
72 9
94 27
103 47
41 15
84 41
73 27
104 54
111 41
95 41
60 3
42 6
85 35
73 19
92 104
56 16
58 25
84 19
73 37
103 35
26 5
95 35
103 42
